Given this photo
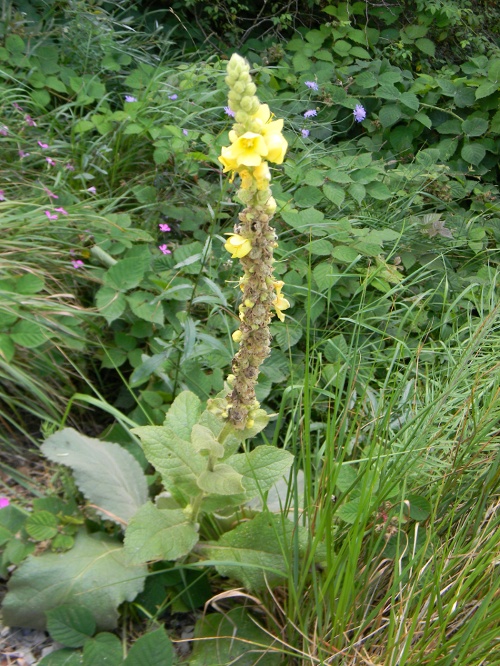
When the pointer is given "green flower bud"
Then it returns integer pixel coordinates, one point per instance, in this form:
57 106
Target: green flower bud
250 89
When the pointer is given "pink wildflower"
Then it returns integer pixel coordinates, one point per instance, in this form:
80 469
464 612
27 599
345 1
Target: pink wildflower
4 501
92 189
50 161
77 263
4 130
29 120
23 154
164 249
51 216
43 145
2 195
69 167
61 210
164 227
50 194
17 107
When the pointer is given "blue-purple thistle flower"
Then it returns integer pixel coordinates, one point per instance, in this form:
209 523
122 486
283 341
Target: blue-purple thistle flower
359 113
312 85
310 113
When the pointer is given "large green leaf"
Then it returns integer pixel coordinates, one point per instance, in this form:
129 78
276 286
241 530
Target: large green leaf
475 126
222 480
94 573
125 274
70 624
256 553
152 649
176 459
183 414
473 153
110 303
103 649
159 534
232 638
109 477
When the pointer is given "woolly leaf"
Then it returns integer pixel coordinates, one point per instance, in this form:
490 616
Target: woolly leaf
94 573
109 477
159 534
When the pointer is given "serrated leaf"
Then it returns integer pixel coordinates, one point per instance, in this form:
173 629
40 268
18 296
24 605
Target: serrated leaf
29 334
325 275
307 196
475 126
140 302
389 114
345 253
423 119
357 192
261 468
334 193
110 303
288 335
183 414
105 649
426 46
350 511
159 534
42 525
176 459
70 624
366 80
420 509
410 100
109 477
254 552
94 573
222 480
486 89
320 247
473 153
152 648
232 637
124 275
30 284
347 474
64 657
378 191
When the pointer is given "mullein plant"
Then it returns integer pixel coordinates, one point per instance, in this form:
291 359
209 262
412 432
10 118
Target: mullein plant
256 139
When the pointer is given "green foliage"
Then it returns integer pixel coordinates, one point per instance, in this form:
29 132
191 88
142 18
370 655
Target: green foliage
94 574
109 477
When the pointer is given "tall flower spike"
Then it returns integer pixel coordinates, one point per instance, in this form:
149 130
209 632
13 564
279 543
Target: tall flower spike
256 139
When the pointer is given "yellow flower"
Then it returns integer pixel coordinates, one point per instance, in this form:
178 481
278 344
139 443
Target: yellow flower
262 176
245 150
246 179
271 131
238 246
280 302
227 160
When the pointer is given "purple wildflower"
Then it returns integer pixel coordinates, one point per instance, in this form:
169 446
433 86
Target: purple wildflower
164 249
229 112
77 263
310 113
130 98
185 132
92 189
69 167
23 154
312 85
17 107
4 130
164 227
50 161
50 194
2 195
43 145
174 96
29 120
305 133
359 113
4 501
51 216
61 210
